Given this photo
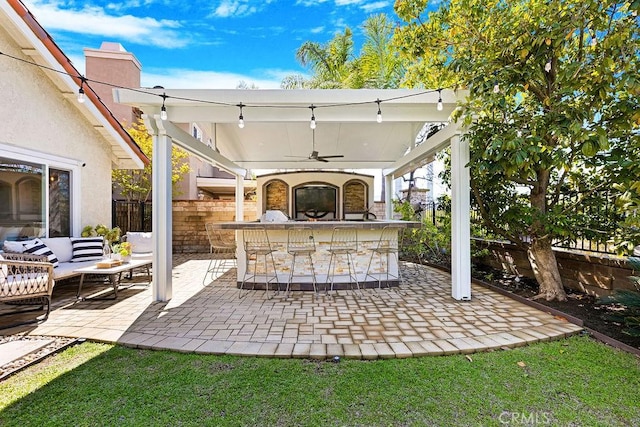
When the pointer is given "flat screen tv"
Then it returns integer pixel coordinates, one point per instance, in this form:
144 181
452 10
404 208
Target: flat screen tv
315 202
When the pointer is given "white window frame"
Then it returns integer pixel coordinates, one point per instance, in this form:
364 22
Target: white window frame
74 166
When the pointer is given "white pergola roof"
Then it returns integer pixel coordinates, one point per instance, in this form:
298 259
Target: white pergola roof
277 126
277 134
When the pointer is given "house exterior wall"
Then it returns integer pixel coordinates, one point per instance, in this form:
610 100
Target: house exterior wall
37 117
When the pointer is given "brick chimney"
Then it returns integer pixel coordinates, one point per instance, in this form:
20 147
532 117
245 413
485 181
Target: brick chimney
114 65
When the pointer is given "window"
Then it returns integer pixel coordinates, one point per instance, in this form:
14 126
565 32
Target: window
197 133
35 195
59 203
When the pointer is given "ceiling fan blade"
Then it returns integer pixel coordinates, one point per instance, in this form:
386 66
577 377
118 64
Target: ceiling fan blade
321 159
335 156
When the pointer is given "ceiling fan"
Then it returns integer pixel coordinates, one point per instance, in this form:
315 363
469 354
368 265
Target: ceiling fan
314 154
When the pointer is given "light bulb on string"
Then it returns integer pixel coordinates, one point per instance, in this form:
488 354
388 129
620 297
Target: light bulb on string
312 124
439 106
547 66
379 115
81 97
496 88
241 117
163 109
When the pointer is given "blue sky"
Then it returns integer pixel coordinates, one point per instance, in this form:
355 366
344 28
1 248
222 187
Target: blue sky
198 44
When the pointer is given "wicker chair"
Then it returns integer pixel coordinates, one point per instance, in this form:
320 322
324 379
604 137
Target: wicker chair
26 279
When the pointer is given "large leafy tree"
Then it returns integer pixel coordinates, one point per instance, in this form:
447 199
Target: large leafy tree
135 184
553 106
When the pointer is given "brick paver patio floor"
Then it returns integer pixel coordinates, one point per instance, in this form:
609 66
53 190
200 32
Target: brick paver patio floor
418 319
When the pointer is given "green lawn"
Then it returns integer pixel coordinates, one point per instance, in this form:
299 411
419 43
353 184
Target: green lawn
571 382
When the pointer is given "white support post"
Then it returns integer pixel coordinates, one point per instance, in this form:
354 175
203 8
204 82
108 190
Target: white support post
460 220
162 215
388 193
239 198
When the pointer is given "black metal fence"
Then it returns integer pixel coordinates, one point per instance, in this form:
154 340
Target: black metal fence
591 234
131 216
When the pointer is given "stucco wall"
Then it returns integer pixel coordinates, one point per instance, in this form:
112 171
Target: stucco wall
36 116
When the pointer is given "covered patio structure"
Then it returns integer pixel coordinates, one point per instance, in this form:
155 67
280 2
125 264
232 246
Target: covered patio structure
271 129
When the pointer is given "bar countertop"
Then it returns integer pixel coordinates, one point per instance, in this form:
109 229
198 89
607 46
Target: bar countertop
319 225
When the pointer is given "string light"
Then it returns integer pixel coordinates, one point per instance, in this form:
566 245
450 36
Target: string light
439 107
163 109
312 124
547 66
241 117
81 97
164 96
379 115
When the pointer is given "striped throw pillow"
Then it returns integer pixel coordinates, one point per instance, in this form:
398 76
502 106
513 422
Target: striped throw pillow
39 248
86 248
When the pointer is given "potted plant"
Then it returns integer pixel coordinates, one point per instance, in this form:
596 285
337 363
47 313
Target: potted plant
110 235
122 250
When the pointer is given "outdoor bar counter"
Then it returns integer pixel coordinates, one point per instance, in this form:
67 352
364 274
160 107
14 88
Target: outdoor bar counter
368 231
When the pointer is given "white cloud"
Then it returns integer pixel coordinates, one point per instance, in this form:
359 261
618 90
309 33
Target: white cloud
234 8
316 30
175 78
96 21
377 5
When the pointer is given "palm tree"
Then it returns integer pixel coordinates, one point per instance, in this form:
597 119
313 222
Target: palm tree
329 62
333 65
379 65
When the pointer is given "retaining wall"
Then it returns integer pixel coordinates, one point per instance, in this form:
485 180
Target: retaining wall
595 274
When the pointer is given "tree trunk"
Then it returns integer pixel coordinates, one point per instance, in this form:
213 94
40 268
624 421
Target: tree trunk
545 268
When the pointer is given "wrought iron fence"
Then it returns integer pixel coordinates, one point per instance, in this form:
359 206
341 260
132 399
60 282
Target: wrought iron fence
131 216
599 220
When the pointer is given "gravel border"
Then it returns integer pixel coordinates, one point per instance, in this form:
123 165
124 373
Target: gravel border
15 366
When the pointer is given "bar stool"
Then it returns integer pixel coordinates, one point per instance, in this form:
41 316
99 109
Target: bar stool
223 247
344 243
386 247
257 247
300 242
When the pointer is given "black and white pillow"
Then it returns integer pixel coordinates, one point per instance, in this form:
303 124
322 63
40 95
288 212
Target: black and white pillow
86 248
39 248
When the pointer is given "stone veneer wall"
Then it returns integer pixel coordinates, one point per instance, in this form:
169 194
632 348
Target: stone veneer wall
190 216
276 196
595 274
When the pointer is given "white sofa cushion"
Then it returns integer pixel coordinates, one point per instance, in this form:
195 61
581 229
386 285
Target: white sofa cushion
39 248
141 242
87 248
65 269
61 246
